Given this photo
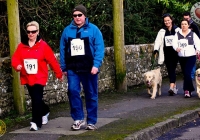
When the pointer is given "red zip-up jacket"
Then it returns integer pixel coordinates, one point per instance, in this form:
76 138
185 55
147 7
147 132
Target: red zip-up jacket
44 56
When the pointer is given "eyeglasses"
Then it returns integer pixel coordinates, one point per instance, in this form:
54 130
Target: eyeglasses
33 32
79 15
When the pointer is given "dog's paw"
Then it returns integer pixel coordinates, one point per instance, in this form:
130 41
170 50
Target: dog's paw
198 95
153 97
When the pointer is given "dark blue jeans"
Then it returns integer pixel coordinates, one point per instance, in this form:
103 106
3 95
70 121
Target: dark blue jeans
90 87
39 108
193 72
187 65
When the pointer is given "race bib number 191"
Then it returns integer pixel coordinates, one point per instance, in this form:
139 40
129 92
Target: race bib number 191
77 47
31 66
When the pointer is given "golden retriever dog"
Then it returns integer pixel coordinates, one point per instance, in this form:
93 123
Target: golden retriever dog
153 81
197 79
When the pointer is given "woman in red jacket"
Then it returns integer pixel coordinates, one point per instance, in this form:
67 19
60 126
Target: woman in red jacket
31 59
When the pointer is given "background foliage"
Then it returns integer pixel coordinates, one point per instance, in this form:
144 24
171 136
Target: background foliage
142 18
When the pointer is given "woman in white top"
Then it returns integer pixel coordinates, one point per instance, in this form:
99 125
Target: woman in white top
167 54
187 44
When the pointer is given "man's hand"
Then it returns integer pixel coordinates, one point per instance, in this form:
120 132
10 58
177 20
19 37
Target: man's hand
94 70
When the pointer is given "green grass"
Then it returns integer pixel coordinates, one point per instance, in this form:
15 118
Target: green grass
13 120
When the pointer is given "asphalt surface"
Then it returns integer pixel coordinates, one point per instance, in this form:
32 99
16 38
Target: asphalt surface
136 108
188 131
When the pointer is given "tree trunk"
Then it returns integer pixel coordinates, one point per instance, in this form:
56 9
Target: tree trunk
119 52
14 40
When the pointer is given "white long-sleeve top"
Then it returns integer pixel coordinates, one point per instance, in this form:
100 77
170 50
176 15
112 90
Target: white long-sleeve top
159 44
188 44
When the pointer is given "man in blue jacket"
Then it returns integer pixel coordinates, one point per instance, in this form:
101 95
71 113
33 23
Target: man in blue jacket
81 55
193 25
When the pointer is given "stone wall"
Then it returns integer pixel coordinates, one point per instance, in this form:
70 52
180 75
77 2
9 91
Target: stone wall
138 60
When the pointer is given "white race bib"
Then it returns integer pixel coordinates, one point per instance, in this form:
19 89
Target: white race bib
31 66
168 40
183 44
77 47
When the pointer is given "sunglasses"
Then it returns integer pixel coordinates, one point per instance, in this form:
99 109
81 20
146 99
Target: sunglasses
79 15
33 32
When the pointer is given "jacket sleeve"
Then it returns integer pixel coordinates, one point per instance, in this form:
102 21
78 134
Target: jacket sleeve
98 48
175 42
62 51
158 41
52 61
196 42
196 29
15 60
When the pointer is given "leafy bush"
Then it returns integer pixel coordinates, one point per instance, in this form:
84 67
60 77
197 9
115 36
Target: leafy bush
142 19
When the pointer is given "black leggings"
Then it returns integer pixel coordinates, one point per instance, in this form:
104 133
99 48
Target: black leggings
171 69
171 60
39 108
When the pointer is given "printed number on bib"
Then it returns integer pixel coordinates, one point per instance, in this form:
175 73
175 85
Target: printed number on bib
77 47
31 66
168 40
183 43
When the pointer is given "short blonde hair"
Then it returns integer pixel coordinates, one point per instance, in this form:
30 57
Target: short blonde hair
33 23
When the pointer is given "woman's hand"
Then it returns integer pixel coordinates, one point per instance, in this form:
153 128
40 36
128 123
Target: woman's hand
19 67
197 52
64 73
178 49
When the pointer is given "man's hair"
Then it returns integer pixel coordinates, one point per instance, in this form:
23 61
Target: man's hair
186 14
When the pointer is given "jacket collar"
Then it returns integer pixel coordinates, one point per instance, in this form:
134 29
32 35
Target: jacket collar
25 39
85 25
189 30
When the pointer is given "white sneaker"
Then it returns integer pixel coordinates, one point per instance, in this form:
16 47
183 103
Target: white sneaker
45 119
33 126
77 124
172 91
91 127
175 90
187 94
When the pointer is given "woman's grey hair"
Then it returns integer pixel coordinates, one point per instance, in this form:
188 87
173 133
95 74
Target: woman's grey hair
33 23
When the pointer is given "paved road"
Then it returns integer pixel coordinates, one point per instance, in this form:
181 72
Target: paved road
189 131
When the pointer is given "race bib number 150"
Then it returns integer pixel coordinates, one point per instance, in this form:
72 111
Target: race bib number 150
31 66
77 47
